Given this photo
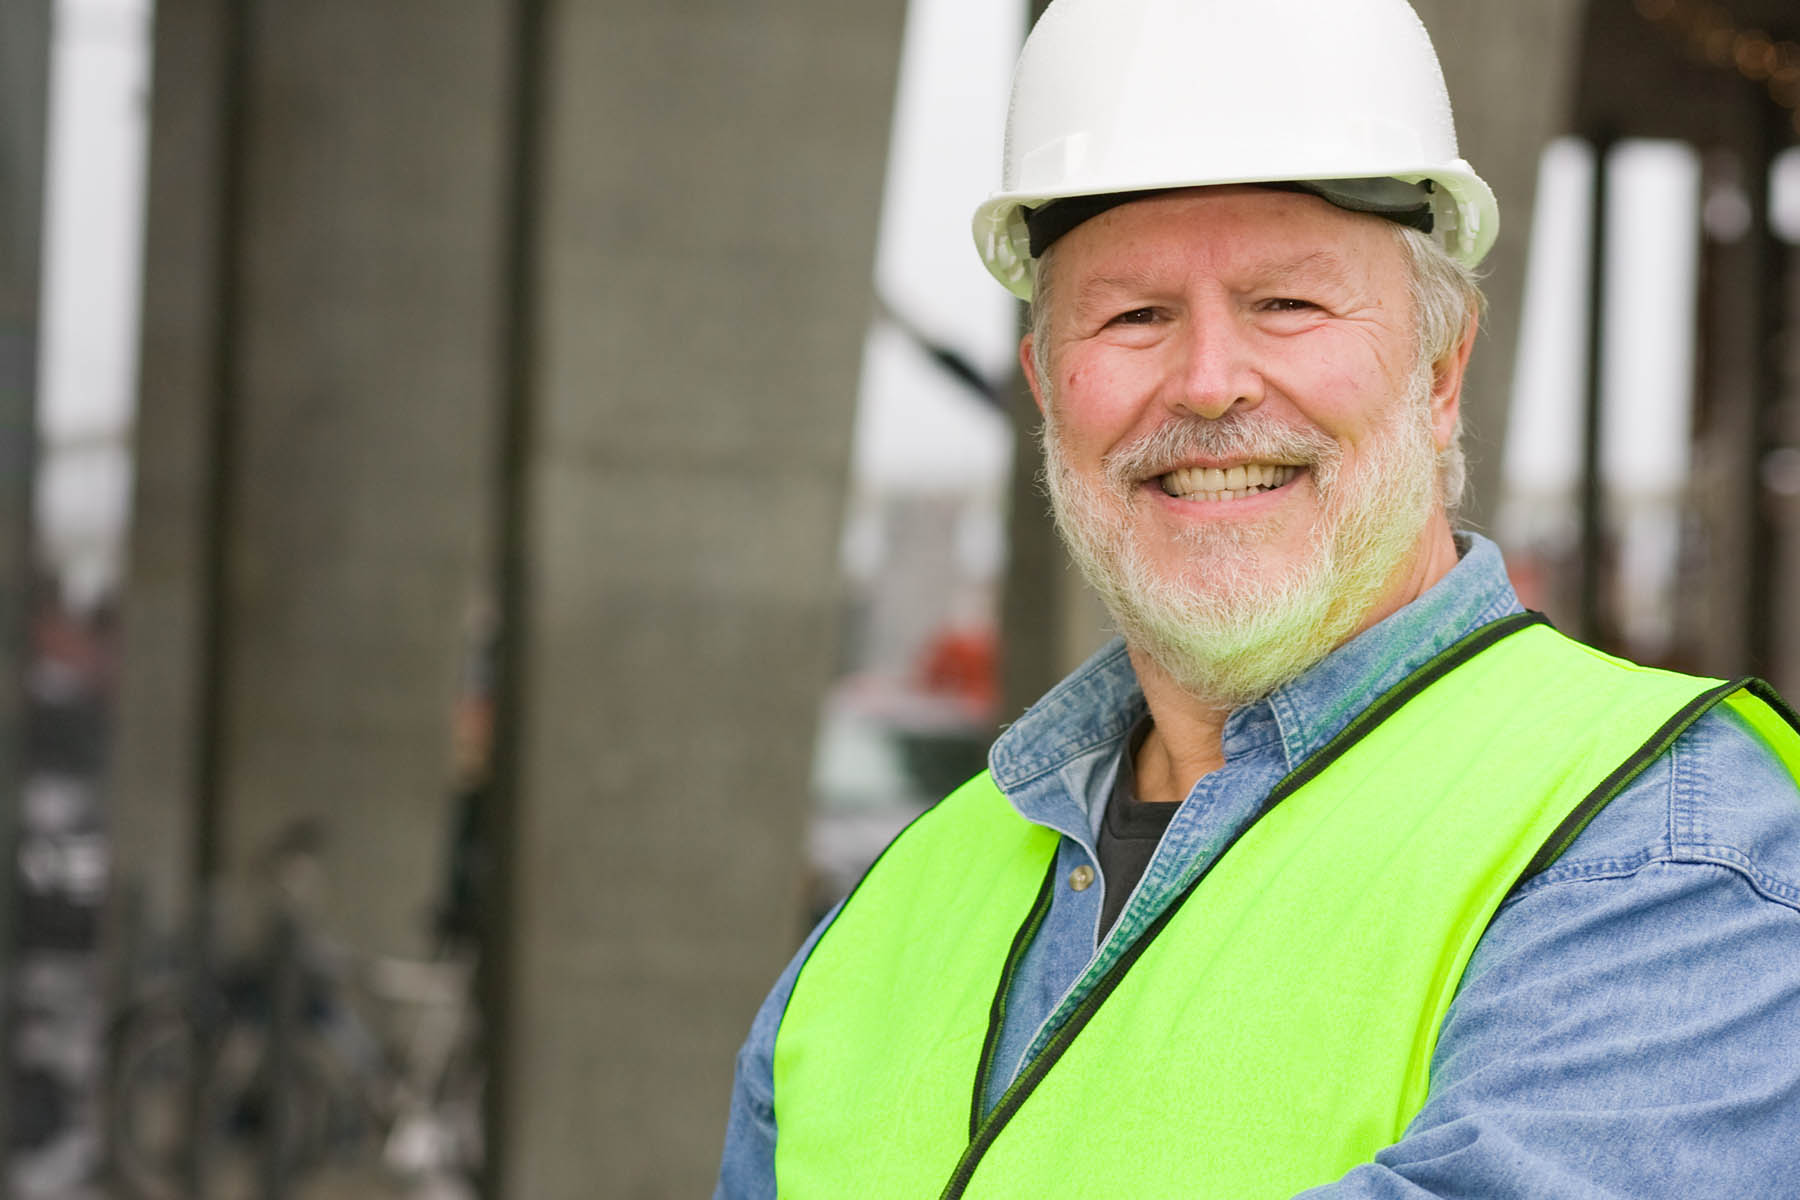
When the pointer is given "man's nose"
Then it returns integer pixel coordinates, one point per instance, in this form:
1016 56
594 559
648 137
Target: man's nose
1216 370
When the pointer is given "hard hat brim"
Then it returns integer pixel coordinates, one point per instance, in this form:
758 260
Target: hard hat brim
1467 216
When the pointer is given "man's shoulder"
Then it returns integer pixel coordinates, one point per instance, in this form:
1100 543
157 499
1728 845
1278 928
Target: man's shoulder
1719 796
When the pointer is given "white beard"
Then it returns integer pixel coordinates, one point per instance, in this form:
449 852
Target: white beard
1221 628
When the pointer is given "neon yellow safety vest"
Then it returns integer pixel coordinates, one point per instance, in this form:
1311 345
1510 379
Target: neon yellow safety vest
1274 1027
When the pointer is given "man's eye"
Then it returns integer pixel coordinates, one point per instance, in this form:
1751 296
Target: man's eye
1137 316
1288 304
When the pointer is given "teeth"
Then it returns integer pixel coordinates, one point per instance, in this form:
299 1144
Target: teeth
1234 483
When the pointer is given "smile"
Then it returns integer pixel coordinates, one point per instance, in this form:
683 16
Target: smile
1228 483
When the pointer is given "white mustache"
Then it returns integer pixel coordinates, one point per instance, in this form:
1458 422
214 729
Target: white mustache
1179 440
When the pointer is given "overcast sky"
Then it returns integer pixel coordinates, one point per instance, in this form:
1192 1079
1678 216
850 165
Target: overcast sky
93 218
916 427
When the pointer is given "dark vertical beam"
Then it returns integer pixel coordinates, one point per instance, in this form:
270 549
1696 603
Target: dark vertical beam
1767 133
222 448
24 86
1035 592
1039 585
497 822
1591 615
1779 488
216 557
1726 493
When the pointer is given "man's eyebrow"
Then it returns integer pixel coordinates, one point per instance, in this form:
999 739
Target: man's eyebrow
1120 281
1321 266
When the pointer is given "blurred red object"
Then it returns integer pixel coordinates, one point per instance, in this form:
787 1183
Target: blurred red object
964 664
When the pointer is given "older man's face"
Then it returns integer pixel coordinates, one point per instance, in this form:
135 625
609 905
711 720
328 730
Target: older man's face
1238 420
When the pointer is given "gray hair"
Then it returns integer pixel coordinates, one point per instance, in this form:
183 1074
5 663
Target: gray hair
1446 296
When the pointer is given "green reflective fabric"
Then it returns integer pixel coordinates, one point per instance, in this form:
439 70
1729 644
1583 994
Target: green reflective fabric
872 1071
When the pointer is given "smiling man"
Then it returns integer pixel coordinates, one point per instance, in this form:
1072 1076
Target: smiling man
1337 874
1243 429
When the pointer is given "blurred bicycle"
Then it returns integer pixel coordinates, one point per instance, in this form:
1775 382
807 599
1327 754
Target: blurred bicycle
298 1056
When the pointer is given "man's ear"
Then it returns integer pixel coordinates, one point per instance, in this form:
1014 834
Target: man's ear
1447 376
1028 364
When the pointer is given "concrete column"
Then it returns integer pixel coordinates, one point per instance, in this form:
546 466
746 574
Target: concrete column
1728 488
712 182
24 79
1511 74
372 287
355 358
1051 619
152 809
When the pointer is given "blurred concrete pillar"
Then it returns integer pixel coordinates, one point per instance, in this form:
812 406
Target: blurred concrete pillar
1740 412
1510 69
712 182
24 82
327 269
24 79
152 809
1050 619
324 271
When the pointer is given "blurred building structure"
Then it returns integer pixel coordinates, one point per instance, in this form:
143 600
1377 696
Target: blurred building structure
541 322
1680 547
556 306
24 86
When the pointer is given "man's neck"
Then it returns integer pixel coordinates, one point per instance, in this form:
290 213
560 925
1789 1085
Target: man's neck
1188 740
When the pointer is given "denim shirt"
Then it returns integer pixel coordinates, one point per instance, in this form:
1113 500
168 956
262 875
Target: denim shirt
1629 1025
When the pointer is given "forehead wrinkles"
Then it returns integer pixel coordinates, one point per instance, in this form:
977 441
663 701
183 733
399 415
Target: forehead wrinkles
1321 267
1095 288
1343 279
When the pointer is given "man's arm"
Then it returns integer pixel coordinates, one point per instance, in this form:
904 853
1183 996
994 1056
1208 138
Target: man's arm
1630 1024
747 1167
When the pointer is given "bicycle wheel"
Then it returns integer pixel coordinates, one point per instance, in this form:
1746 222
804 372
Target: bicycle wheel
148 1121
150 1130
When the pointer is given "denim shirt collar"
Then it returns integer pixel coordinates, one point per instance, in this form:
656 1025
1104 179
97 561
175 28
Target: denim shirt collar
1057 762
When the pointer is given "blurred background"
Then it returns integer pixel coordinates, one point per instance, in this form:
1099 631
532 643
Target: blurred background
507 505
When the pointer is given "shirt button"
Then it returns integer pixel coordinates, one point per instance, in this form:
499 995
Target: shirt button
1081 878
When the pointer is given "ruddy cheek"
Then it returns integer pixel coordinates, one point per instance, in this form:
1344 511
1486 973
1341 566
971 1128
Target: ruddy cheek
1352 399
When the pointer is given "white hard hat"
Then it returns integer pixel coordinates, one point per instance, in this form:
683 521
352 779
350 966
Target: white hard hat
1121 96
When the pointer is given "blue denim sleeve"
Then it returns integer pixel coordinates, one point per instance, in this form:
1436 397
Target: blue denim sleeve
747 1167
1629 1025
